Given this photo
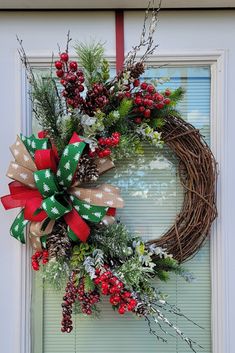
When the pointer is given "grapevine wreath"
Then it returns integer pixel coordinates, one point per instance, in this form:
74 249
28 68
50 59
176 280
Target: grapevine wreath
88 121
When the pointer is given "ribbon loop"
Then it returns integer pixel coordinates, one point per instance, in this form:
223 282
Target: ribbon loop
68 163
87 211
56 206
18 226
77 225
46 182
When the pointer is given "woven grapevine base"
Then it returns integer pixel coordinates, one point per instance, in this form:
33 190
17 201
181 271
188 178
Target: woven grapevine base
197 171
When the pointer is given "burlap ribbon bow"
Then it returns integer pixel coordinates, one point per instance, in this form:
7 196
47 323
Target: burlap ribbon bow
42 186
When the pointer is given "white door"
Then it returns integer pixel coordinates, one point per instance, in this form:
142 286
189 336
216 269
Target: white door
186 40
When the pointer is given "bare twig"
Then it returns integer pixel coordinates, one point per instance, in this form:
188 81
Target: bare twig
147 36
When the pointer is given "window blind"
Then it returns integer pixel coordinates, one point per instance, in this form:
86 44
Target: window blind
153 196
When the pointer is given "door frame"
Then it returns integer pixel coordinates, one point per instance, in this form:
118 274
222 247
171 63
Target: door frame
219 240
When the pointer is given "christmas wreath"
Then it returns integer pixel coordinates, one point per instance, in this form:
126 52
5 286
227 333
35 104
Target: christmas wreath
87 124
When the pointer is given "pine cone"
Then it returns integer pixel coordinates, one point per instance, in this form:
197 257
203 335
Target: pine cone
58 243
142 310
87 170
137 70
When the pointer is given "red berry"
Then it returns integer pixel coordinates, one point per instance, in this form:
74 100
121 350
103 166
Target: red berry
114 290
138 100
91 154
155 96
167 92
142 109
59 73
73 66
147 113
106 152
126 294
35 266
79 73
128 94
121 310
71 77
160 105
81 79
70 101
136 83
150 89
58 65
144 85
63 82
116 134
138 120
38 253
145 101
133 303
45 253
64 57
81 88
117 298
65 93
167 101
160 97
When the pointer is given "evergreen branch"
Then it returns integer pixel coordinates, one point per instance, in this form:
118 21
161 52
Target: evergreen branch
91 57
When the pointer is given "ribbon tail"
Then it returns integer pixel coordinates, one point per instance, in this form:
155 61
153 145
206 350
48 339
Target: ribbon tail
77 225
38 232
18 227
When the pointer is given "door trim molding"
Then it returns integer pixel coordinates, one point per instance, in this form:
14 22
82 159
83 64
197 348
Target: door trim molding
219 241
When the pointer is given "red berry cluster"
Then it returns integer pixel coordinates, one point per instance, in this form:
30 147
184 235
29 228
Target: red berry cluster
69 299
119 296
104 143
87 299
71 78
146 99
37 257
73 293
96 98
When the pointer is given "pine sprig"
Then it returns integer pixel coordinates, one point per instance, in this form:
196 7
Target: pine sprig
113 240
47 106
125 107
91 57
